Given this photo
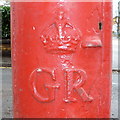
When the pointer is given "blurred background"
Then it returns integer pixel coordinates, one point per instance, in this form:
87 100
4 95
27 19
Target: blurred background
5 59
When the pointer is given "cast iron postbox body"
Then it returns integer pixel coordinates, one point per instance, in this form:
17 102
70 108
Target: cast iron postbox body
61 55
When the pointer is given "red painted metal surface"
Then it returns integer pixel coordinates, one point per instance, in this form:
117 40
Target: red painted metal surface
61 57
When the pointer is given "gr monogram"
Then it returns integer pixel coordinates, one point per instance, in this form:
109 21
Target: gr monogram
70 85
62 37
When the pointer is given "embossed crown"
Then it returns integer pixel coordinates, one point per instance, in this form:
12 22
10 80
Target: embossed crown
60 36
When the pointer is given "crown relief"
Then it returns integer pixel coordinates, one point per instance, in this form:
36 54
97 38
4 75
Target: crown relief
61 36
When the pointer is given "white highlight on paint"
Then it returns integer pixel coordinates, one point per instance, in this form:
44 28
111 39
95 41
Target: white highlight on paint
34 28
39 70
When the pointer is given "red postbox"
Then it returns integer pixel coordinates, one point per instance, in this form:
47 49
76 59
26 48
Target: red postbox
61 58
